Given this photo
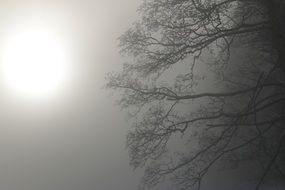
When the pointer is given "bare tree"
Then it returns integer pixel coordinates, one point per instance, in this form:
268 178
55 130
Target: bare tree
186 122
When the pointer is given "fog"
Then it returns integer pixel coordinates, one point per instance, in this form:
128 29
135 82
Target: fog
75 140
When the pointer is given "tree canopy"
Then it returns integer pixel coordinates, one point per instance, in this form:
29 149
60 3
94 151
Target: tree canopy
204 86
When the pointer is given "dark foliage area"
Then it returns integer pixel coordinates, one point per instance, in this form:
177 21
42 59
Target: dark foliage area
205 89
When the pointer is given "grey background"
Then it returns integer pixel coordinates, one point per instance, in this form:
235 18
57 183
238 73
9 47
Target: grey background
76 140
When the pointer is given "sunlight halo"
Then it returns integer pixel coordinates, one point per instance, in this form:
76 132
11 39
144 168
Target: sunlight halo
34 63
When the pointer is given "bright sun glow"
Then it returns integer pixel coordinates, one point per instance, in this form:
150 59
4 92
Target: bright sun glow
33 63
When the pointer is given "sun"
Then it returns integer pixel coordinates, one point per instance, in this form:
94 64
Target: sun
33 63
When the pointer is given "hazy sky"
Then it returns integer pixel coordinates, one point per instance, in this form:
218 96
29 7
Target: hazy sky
76 140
